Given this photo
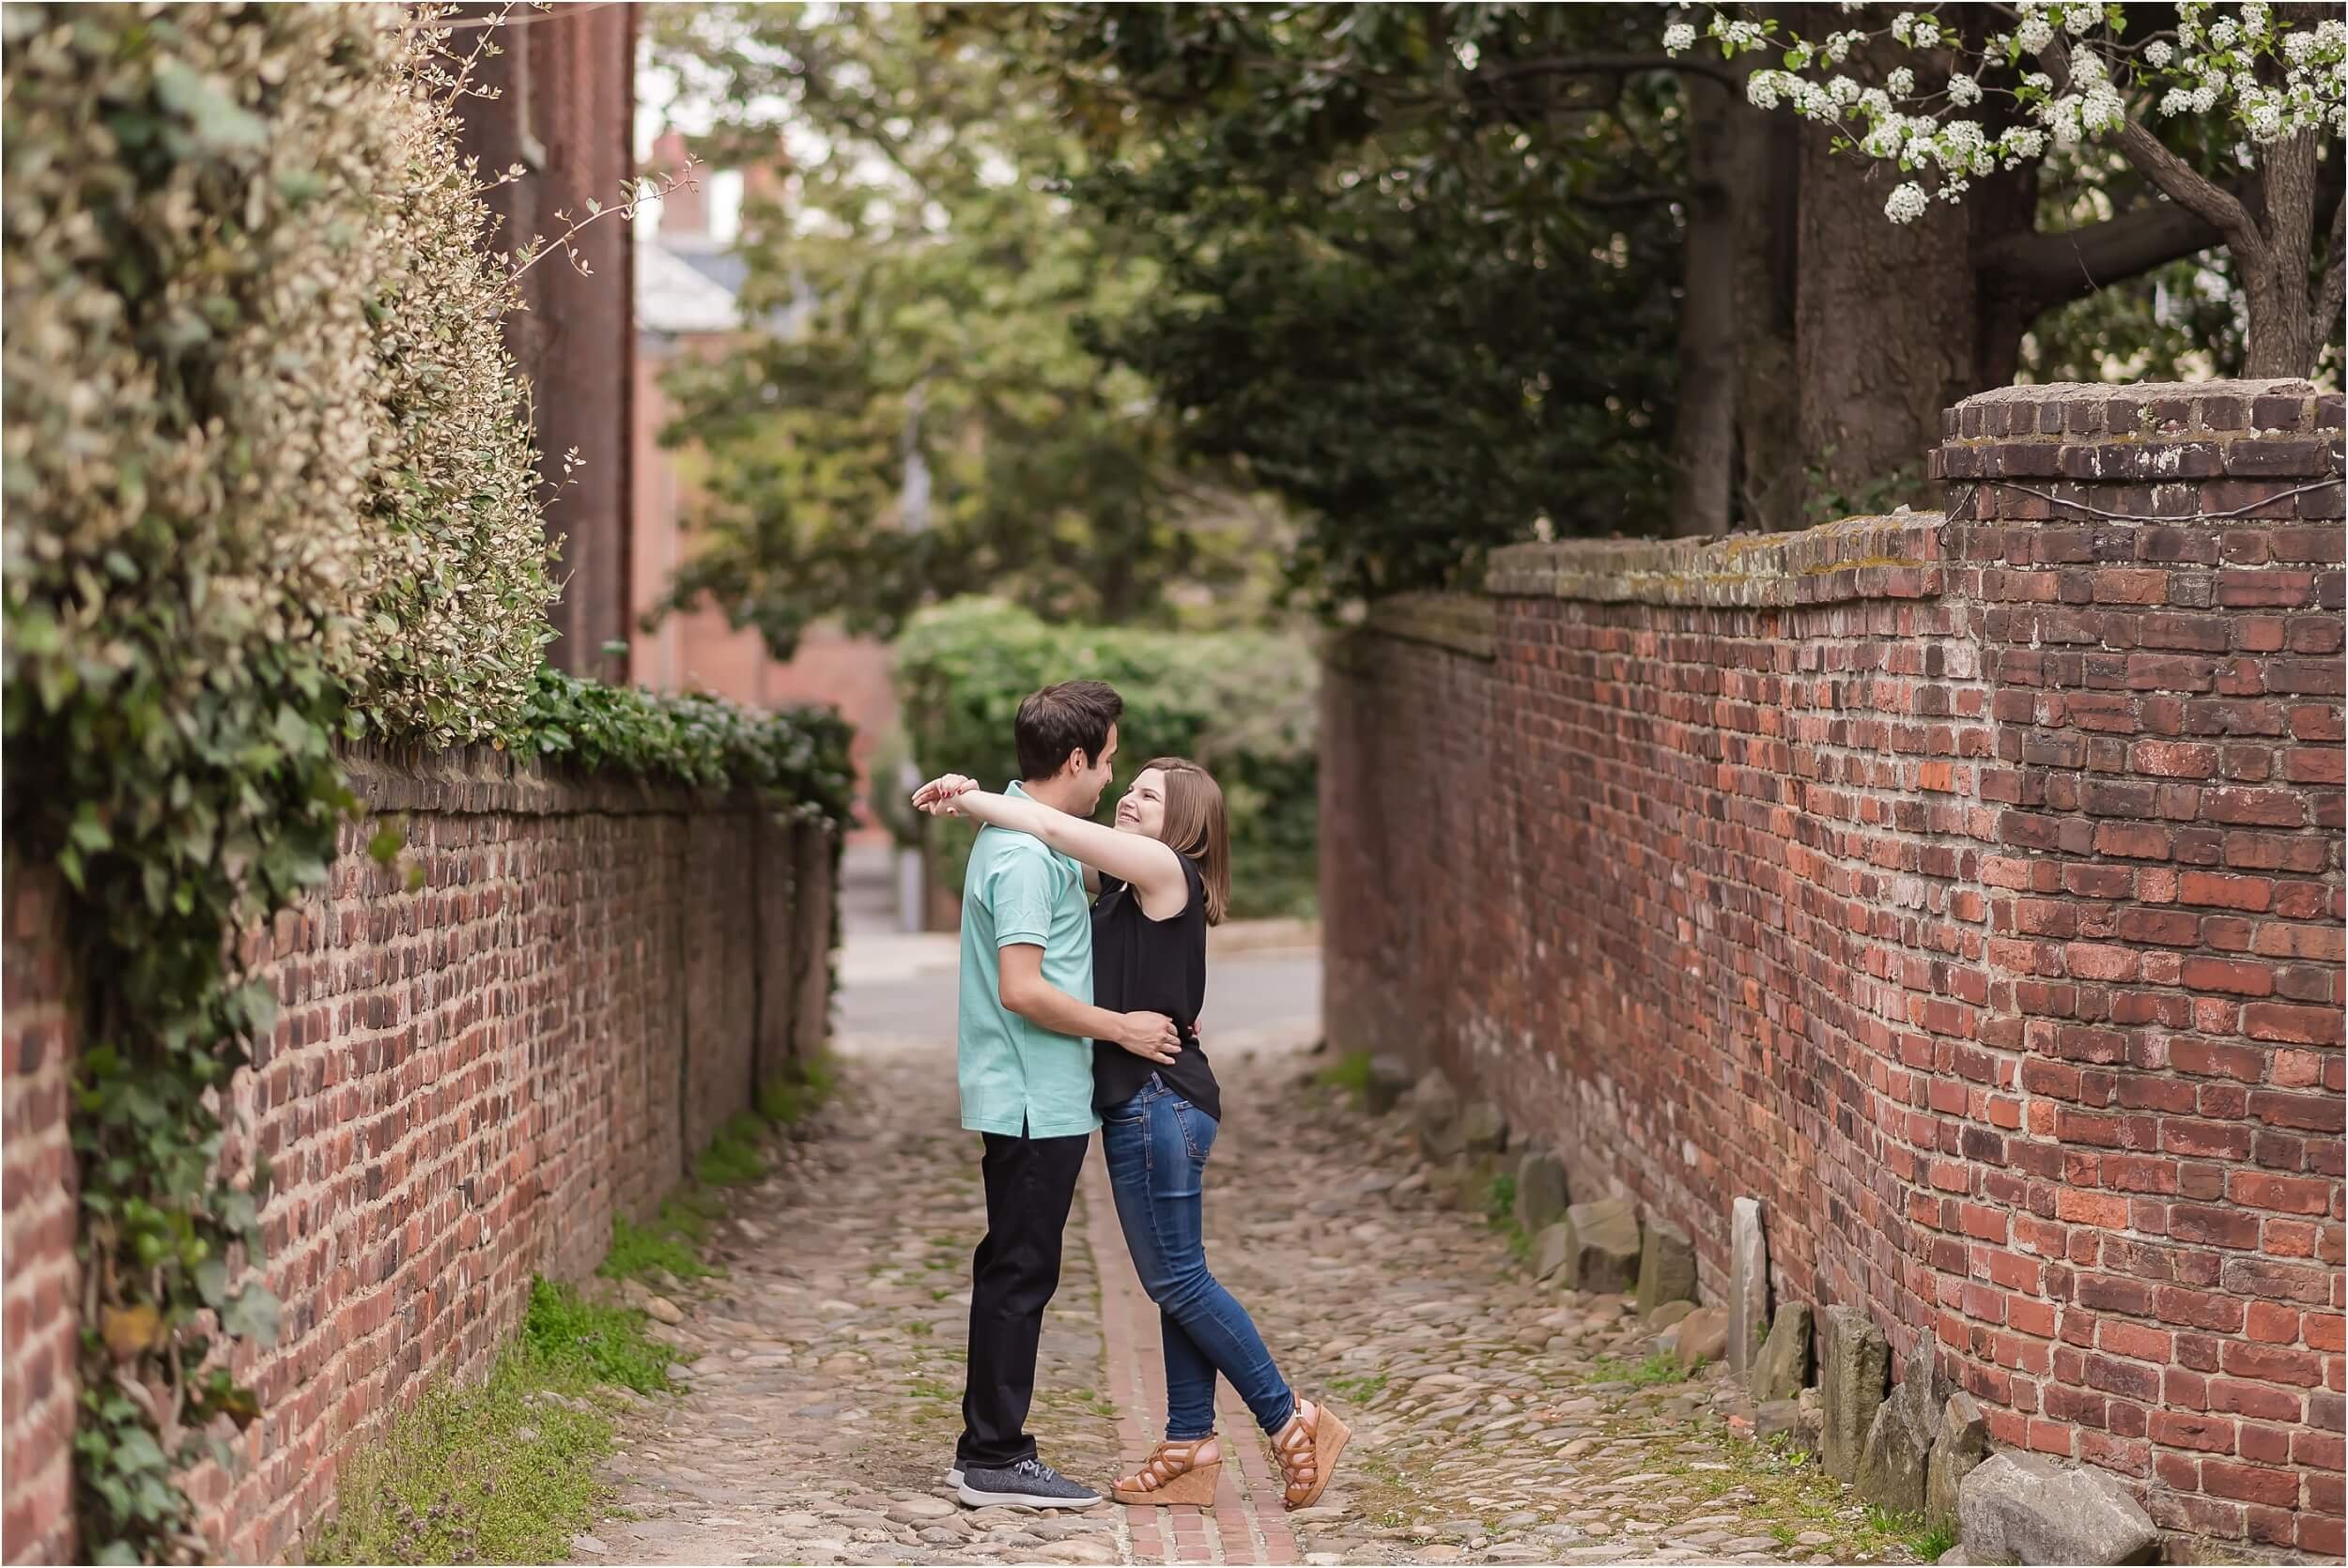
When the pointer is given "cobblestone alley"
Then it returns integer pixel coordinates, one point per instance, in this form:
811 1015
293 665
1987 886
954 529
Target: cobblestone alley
1496 1420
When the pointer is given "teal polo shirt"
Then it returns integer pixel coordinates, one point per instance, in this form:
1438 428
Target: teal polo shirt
1019 1078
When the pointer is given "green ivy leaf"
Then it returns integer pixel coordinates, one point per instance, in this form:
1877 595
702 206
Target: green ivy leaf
252 1315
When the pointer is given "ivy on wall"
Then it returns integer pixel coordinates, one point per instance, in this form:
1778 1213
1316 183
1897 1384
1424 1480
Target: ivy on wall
268 483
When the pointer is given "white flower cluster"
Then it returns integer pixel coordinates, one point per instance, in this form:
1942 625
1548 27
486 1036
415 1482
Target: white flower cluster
2208 66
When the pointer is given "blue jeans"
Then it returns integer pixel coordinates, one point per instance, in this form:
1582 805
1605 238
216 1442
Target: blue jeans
1157 1145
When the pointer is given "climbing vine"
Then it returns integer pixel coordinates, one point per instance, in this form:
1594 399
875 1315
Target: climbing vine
267 484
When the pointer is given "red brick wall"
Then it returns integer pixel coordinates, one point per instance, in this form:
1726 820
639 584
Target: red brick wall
39 1281
469 1081
1966 887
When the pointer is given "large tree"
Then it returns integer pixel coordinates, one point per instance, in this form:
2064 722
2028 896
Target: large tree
916 416
1816 343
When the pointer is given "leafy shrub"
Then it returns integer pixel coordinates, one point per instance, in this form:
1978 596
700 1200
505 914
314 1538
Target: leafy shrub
458 579
268 480
190 236
690 738
1240 703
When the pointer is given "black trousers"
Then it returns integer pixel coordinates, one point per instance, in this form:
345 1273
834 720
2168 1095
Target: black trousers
1031 1183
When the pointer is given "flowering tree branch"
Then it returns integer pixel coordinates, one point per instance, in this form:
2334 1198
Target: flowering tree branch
2281 87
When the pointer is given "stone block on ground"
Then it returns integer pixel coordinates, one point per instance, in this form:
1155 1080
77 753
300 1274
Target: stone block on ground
1665 1315
1540 1192
1960 1445
2026 1508
1856 1361
1483 1130
1552 1249
1435 1115
1667 1268
1702 1335
1602 1249
1898 1449
1777 1416
1389 1081
1784 1366
1748 1284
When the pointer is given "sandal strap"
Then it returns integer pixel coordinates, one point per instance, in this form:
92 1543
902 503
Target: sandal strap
1169 1462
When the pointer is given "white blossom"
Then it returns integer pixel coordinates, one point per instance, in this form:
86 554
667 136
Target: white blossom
2223 34
1964 90
1908 204
2081 20
2034 33
1678 36
1761 89
2157 52
1900 83
1844 90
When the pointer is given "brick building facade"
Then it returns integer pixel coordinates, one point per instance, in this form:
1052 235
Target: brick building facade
564 111
1966 887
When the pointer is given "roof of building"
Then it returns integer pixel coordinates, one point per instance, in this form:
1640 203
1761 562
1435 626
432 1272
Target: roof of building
677 295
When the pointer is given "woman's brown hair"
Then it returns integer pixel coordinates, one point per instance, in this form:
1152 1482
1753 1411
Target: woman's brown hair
1197 826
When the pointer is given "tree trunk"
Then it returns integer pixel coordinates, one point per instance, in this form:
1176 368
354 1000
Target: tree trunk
2286 335
1885 325
1704 439
1763 174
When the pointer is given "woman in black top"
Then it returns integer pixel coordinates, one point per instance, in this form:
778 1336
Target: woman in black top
1164 878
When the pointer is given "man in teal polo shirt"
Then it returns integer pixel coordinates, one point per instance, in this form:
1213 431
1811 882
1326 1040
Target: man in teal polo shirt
1024 1033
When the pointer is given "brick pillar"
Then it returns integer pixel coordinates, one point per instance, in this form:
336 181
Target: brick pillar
2157 582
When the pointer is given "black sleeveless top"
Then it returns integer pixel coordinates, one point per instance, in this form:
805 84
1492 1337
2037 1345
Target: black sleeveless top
1158 966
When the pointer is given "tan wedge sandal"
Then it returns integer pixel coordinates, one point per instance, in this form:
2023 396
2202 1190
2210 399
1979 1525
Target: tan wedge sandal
1308 1449
1174 1475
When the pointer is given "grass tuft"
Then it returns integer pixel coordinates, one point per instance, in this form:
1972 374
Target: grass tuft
1657 1369
1349 1075
732 1158
799 1092
502 1471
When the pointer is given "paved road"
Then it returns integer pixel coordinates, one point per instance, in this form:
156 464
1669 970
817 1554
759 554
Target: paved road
902 988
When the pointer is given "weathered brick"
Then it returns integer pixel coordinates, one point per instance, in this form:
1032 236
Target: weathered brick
1772 935
542 1123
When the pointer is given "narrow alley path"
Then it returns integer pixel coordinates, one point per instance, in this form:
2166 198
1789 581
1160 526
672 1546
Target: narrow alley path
1494 1420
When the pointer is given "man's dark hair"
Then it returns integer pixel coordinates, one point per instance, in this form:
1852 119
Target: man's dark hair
1071 717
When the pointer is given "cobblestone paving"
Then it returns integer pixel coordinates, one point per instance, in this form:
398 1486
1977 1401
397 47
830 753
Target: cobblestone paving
1495 1420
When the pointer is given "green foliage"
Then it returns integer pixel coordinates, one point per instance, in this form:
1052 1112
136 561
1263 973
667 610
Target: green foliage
930 423
640 1251
188 434
692 739
1500 1200
1653 1371
502 1471
1240 703
567 1336
458 552
267 484
799 1091
1416 281
732 1157
1349 1075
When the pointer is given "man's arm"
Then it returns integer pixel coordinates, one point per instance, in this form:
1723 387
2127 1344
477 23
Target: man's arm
1025 990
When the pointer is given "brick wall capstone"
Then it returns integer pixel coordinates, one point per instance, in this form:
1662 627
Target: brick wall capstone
1966 887
468 1079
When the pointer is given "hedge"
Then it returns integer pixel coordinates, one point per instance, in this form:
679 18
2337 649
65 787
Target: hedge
1243 705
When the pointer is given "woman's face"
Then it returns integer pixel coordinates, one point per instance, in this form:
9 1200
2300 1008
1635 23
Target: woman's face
1143 808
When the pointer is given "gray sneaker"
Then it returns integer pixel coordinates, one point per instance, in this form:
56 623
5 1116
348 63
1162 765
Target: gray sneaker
1029 1484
